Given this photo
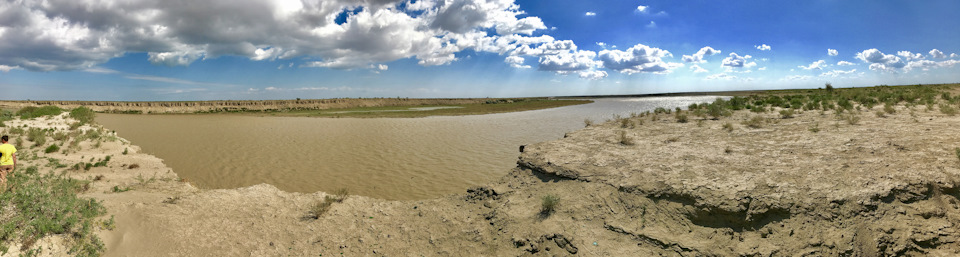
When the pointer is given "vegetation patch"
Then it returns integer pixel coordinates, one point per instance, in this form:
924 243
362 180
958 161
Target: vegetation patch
31 112
548 204
43 205
83 115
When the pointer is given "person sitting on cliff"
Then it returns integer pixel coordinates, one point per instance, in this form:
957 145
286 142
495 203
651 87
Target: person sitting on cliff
8 160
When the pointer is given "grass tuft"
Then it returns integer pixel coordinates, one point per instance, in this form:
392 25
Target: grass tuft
755 122
548 204
624 139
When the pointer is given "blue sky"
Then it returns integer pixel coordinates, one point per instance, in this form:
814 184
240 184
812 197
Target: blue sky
283 49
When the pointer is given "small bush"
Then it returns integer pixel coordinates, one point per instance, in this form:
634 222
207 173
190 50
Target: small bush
948 110
625 123
320 207
52 148
852 119
815 128
786 114
728 127
624 139
37 136
587 122
957 150
75 125
881 114
549 204
888 108
83 114
681 118
340 195
125 152
755 122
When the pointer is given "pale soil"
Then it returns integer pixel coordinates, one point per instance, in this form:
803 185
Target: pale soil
887 186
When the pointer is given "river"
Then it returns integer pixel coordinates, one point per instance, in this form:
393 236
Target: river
389 158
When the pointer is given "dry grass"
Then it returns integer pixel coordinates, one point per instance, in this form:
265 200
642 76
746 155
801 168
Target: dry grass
624 139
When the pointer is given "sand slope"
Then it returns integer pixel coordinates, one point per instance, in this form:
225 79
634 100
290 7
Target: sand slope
887 186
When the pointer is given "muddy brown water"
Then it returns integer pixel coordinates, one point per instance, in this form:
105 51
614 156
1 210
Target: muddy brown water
389 158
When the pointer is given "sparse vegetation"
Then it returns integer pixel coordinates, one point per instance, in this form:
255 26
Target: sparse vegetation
321 207
888 108
83 115
681 118
45 205
51 149
623 139
587 122
815 128
786 114
957 150
728 127
34 112
755 122
948 110
548 204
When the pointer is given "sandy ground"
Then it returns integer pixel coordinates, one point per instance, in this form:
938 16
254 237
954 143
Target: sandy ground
886 186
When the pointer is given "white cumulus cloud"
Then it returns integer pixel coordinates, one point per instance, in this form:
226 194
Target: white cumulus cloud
638 59
832 52
591 14
736 61
698 56
910 56
516 62
642 8
763 47
937 54
697 69
880 61
593 74
820 64
844 63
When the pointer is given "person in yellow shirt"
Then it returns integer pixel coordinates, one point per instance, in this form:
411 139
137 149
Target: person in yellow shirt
8 159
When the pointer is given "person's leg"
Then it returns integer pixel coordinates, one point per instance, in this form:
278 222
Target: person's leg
3 176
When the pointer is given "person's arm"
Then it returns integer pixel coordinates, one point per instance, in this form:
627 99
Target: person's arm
14 155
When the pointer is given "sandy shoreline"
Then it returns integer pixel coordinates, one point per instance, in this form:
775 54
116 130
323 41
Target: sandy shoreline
887 185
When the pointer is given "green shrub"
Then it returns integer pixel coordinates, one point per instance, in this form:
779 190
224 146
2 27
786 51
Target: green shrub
37 136
786 114
948 110
52 148
33 112
888 108
681 118
83 114
549 204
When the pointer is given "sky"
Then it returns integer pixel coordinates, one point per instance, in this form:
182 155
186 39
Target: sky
178 50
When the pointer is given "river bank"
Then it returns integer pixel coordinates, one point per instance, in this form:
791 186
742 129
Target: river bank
868 181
